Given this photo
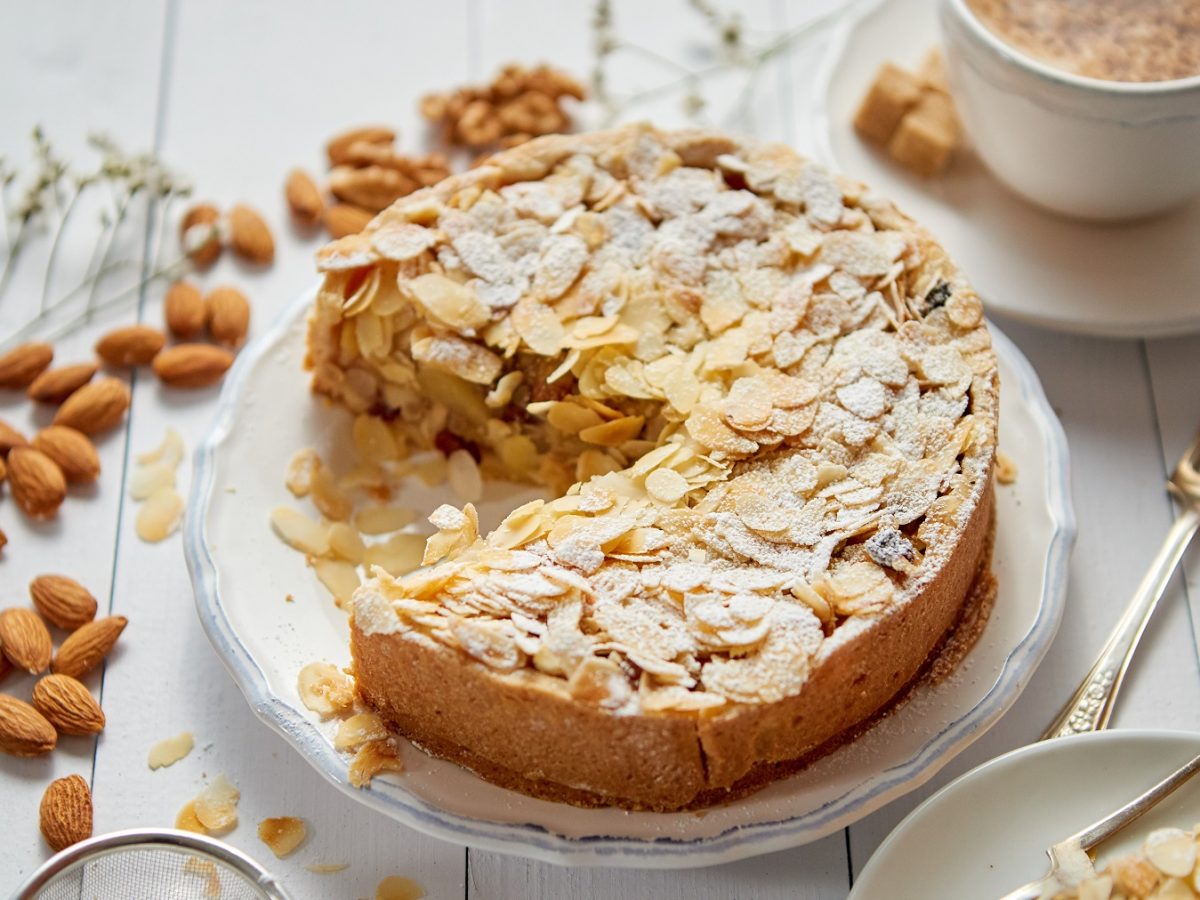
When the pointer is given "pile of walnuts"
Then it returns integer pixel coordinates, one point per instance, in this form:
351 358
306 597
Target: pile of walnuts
519 104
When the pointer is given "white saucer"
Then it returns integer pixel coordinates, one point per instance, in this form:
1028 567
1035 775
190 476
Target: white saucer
986 833
1133 280
242 573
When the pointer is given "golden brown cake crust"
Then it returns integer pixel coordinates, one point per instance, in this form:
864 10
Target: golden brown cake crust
549 746
774 401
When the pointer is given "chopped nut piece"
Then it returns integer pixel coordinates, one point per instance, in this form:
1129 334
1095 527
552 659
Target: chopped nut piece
374 758
215 807
325 689
283 835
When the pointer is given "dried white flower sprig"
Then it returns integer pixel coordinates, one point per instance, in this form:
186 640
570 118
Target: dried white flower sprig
733 49
46 200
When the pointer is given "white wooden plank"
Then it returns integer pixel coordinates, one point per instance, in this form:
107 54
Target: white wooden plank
71 69
674 32
1174 375
254 91
1100 391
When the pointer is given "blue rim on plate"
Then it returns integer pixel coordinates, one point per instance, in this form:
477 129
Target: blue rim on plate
536 842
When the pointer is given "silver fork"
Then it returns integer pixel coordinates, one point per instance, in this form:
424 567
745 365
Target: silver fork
1092 704
1070 853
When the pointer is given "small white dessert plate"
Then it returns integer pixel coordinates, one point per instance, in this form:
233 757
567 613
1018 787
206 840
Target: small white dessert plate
242 573
1138 279
986 833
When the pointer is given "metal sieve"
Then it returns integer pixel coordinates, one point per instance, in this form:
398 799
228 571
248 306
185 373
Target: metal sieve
151 862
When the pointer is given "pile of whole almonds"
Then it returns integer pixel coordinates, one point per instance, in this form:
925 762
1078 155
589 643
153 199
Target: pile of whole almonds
60 704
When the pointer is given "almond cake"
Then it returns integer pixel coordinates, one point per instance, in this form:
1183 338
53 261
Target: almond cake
763 404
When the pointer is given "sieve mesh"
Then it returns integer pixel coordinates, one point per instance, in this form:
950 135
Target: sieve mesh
163 866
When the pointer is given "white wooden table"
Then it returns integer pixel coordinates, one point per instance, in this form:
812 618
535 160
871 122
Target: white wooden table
236 93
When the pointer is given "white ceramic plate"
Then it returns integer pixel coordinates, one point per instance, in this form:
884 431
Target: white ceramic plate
1131 280
241 573
986 833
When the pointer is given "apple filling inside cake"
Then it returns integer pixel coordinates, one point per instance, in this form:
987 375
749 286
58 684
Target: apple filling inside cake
764 403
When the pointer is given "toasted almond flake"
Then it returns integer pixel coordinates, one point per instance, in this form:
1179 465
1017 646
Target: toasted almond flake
1006 468
325 689
340 578
169 452
346 543
357 730
327 868
160 515
170 750
666 485
282 834
614 433
328 497
383 519
300 469
374 440
453 303
501 395
432 471
1172 850
462 473
374 758
186 819
395 887
299 531
398 555
216 805
150 478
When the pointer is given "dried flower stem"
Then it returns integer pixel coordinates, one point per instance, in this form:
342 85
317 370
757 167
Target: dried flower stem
732 51
130 178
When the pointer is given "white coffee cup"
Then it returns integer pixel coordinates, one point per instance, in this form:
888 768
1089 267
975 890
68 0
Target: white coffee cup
1105 150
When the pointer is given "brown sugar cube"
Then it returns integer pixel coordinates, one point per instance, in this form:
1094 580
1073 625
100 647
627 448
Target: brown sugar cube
932 71
927 136
890 96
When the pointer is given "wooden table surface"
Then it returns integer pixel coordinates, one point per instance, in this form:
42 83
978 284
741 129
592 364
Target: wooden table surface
237 93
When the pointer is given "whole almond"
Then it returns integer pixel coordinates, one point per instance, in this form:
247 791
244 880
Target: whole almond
9 438
20 365
192 365
63 601
38 484
373 187
25 640
3 469
68 705
56 385
131 345
249 236
23 730
65 815
183 309
343 219
95 407
228 315
198 234
371 134
74 453
84 648
303 198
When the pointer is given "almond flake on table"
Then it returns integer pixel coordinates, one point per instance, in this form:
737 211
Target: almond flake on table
397 887
327 868
283 834
170 750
